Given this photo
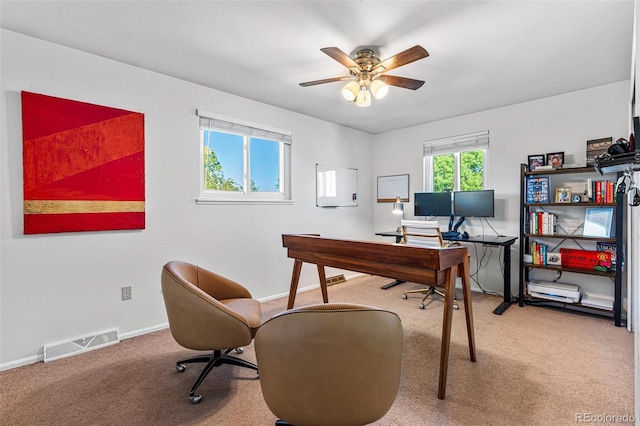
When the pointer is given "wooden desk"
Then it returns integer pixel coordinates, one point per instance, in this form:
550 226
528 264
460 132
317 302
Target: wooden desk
429 266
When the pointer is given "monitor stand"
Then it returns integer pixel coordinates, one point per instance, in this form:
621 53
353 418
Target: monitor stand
453 230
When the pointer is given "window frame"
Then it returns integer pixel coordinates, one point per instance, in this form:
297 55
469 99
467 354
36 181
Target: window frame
246 130
478 141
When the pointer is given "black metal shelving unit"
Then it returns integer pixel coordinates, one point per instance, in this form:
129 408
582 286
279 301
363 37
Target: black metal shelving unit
526 237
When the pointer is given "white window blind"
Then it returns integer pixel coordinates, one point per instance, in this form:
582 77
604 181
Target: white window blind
245 128
468 142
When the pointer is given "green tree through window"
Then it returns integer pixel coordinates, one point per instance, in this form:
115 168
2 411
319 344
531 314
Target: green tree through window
214 175
471 170
443 172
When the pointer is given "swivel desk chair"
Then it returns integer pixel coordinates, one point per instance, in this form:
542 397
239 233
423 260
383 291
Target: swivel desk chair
425 234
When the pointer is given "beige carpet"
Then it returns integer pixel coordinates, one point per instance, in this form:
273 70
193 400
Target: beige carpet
535 366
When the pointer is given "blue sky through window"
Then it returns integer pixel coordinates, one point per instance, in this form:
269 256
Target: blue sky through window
265 158
265 164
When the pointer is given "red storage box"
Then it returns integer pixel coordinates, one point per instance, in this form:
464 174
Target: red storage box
585 259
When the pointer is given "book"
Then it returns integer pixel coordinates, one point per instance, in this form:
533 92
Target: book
537 189
597 222
610 248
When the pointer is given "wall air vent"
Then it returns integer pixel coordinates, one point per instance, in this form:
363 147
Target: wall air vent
80 345
336 279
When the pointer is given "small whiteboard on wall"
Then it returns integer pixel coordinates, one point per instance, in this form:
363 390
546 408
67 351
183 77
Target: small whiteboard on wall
336 186
391 187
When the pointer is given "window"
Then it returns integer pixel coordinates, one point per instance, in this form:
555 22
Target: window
456 163
243 162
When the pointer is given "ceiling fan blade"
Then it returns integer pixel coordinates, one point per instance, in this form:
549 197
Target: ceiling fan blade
402 58
340 56
404 82
326 80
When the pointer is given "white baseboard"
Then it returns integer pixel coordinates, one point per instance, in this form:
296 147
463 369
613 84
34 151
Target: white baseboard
21 362
123 336
145 330
40 357
311 287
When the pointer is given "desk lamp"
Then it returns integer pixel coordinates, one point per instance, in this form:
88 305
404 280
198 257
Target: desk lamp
398 208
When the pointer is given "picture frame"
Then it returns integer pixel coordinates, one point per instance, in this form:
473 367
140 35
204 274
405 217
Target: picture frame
555 159
535 161
538 189
597 222
563 194
554 259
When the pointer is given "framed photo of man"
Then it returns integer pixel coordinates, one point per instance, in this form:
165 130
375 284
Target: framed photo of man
555 159
536 161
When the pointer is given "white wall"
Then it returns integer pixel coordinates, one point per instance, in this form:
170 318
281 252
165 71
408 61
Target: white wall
59 286
559 123
56 287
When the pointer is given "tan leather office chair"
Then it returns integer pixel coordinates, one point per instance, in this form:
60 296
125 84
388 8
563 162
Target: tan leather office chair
330 364
424 234
208 312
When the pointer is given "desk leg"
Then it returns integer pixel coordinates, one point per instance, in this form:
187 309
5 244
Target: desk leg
396 282
295 277
507 282
392 284
450 290
323 283
468 307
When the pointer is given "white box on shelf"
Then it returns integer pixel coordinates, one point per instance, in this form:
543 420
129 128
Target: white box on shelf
597 301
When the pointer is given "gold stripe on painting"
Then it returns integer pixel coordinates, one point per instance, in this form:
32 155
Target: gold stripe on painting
81 206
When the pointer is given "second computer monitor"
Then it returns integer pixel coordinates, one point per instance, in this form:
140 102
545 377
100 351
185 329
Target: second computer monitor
473 203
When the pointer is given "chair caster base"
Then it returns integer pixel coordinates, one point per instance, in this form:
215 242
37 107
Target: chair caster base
195 398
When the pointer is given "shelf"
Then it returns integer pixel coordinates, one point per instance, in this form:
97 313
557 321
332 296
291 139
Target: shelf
571 204
561 171
608 278
567 269
530 298
571 237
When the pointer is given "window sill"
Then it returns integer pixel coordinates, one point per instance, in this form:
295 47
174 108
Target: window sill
207 201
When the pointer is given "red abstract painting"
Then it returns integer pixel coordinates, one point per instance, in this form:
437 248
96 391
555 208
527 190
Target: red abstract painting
83 166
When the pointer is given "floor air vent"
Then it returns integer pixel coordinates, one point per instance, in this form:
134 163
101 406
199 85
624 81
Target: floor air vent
77 346
336 279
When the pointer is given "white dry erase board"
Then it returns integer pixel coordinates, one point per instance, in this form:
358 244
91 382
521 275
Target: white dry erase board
336 186
391 187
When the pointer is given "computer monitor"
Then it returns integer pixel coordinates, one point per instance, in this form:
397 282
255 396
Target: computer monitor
473 203
432 204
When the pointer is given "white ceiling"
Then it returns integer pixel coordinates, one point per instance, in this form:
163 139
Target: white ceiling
483 54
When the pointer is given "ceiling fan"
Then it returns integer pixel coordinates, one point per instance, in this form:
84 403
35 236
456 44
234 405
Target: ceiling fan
367 72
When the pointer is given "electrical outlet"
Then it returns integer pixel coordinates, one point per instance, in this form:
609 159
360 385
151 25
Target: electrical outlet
126 293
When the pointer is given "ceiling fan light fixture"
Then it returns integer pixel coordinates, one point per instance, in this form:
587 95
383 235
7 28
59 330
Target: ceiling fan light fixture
364 97
367 70
379 89
350 91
